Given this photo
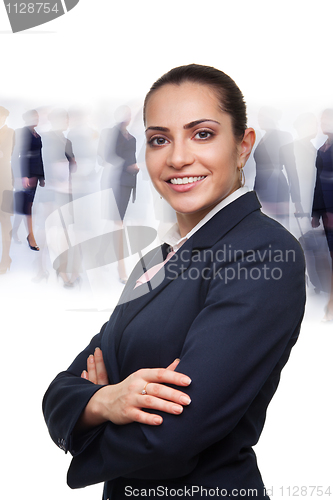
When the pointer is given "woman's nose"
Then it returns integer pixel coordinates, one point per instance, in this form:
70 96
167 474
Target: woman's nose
180 155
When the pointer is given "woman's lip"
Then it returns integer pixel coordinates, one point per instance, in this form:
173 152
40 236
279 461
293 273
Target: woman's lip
182 188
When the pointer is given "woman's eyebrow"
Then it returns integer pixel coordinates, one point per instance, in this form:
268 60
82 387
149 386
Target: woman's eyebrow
159 129
187 126
197 122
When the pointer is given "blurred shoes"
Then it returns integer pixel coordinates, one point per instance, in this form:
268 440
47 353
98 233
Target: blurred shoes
36 248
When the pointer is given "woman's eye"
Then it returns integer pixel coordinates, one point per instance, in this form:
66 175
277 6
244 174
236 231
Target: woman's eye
157 141
203 134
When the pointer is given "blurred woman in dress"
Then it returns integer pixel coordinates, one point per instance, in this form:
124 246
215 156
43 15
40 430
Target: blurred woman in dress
117 154
59 165
276 178
32 168
323 194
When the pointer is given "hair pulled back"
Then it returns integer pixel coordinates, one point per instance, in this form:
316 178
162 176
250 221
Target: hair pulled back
228 93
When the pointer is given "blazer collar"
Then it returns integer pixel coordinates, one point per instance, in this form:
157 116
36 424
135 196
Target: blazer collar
222 222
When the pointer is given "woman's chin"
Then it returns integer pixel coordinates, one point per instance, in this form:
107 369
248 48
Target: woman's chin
192 210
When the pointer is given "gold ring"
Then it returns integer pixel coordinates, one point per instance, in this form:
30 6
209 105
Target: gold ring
143 392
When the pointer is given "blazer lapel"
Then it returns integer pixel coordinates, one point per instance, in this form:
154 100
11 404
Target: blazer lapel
134 300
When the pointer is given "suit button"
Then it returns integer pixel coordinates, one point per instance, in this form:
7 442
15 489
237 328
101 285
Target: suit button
62 443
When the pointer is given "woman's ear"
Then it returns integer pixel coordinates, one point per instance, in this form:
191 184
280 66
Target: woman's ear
246 145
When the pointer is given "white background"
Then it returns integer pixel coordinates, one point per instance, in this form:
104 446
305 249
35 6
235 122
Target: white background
279 53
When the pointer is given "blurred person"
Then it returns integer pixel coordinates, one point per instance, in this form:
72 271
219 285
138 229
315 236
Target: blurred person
313 242
322 207
223 335
85 180
32 168
273 154
141 212
19 216
117 153
7 139
60 163
84 139
306 126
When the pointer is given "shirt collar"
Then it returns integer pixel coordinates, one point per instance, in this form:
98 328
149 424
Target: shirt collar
173 237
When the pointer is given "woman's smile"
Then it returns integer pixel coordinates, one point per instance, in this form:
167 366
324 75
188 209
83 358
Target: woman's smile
185 184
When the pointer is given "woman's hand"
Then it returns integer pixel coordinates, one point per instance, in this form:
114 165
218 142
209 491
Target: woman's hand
123 403
96 371
315 222
25 182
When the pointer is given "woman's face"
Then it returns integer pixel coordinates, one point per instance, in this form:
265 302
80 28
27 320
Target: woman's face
192 155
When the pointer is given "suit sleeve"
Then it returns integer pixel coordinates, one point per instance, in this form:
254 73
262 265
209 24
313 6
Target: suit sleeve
66 398
24 148
70 156
233 352
318 205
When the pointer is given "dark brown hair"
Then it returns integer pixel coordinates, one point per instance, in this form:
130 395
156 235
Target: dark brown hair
230 97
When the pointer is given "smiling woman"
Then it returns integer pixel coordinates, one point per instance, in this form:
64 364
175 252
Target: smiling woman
190 137
172 394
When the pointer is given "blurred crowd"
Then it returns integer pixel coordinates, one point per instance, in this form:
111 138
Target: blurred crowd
68 189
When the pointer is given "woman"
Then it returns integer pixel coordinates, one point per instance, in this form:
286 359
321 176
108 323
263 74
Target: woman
323 195
6 188
32 169
117 153
60 163
218 319
274 155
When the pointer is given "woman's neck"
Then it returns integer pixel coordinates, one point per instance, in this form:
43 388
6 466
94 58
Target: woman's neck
186 222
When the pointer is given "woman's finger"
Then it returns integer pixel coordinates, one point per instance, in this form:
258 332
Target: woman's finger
101 373
163 376
155 403
173 365
142 417
91 368
166 394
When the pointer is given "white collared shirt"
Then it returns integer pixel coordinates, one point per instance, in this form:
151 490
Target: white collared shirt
173 237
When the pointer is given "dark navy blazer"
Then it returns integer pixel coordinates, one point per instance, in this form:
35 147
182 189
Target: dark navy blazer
30 152
229 305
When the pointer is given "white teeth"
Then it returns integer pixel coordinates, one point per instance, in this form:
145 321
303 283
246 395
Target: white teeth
186 180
